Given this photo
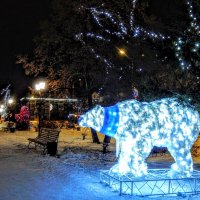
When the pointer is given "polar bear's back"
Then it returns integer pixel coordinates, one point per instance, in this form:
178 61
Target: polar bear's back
159 120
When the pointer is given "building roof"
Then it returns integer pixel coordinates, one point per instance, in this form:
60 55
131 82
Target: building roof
49 99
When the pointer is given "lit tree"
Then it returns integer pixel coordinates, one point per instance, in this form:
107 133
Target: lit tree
187 46
23 118
131 25
53 53
60 57
116 28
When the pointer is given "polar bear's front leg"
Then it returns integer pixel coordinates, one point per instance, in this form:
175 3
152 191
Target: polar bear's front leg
124 153
132 163
141 151
132 158
138 161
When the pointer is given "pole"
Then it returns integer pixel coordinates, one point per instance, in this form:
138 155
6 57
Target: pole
39 116
40 113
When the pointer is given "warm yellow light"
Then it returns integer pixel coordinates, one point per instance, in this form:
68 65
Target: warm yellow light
122 52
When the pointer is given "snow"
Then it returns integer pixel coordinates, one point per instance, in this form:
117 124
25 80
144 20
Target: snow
26 174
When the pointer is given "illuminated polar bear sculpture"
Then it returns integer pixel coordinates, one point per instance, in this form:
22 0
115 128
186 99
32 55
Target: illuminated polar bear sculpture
138 126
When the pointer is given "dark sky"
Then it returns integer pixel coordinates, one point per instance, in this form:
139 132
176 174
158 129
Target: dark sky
19 23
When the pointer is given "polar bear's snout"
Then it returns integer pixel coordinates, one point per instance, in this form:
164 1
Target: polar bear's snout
81 121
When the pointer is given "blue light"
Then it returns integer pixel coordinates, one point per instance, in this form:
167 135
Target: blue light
111 121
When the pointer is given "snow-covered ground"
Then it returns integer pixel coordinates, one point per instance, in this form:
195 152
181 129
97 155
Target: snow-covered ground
26 174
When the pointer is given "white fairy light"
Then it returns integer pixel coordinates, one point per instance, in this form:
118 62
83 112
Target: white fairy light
138 126
180 43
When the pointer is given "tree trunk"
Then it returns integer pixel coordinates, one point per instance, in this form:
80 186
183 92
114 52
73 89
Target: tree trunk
95 138
106 143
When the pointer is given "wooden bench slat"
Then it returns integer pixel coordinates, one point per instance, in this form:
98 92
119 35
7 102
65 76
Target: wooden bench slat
45 136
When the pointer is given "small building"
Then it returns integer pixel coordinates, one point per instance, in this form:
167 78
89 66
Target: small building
51 108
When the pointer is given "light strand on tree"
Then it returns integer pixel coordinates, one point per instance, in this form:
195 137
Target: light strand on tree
97 37
191 33
132 15
193 23
122 30
108 64
134 31
97 56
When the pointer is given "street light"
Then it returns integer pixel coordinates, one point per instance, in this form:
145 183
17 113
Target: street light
40 87
10 101
2 109
123 53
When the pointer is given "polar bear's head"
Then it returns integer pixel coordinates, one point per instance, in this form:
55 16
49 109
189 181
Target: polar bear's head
93 118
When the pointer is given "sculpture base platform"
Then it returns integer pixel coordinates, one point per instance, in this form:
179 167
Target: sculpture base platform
156 182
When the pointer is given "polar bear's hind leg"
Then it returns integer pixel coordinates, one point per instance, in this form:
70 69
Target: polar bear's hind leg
183 165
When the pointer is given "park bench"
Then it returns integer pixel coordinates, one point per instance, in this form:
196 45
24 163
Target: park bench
46 136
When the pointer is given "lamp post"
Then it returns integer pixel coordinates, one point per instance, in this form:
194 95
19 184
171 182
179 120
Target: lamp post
123 53
10 105
2 110
40 87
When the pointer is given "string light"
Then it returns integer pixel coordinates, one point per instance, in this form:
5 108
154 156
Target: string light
96 36
135 29
122 30
188 39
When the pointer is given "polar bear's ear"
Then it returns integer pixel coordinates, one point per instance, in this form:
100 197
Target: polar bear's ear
98 107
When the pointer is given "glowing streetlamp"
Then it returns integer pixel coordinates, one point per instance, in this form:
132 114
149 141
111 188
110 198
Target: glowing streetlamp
10 101
2 109
123 53
40 87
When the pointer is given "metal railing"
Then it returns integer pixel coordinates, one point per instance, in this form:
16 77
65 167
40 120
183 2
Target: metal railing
156 182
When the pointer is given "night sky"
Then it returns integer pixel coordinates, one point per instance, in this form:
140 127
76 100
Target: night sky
19 23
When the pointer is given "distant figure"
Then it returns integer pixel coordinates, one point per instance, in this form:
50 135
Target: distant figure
11 117
135 93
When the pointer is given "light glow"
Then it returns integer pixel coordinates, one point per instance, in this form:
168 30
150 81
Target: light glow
40 86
